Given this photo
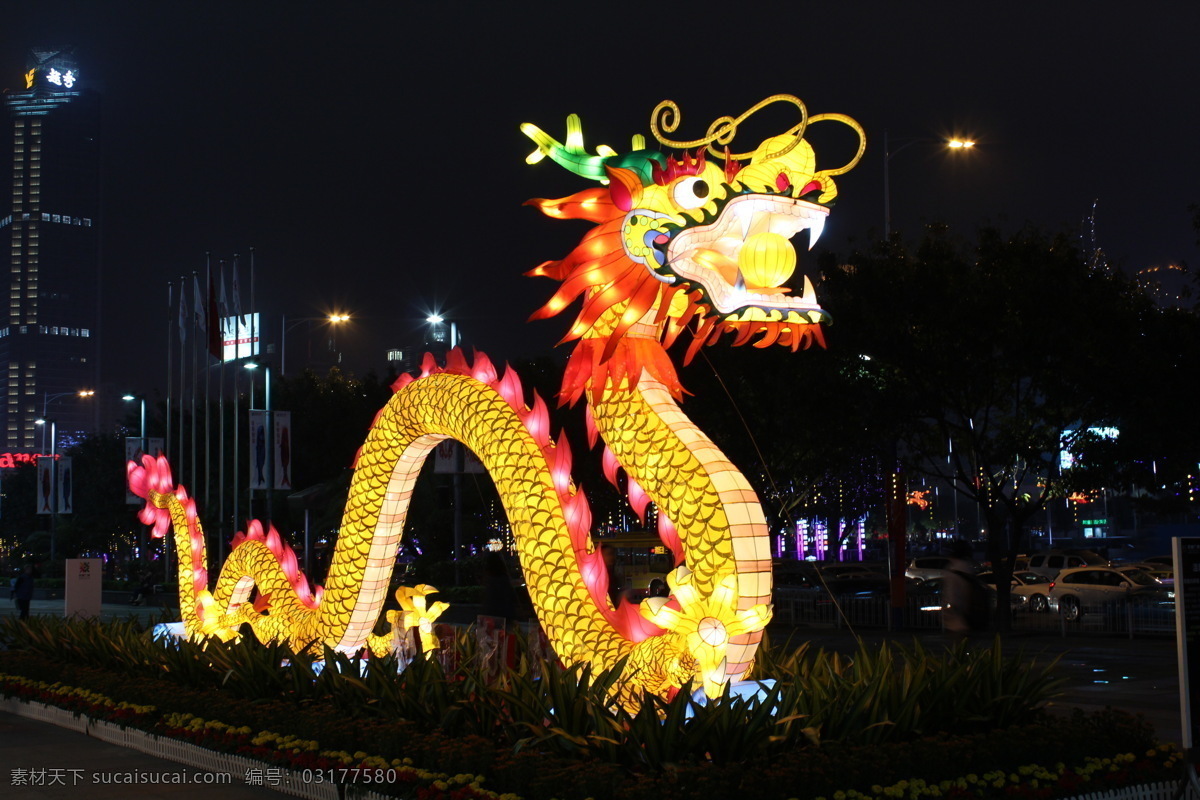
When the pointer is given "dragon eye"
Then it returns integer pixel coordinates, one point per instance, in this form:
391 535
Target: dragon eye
690 192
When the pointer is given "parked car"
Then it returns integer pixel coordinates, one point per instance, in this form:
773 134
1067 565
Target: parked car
1028 590
1162 561
924 568
1050 563
1164 575
1083 587
838 571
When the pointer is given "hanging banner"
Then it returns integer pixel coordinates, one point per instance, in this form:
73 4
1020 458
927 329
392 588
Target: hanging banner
283 448
65 504
445 459
134 452
45 486
260 468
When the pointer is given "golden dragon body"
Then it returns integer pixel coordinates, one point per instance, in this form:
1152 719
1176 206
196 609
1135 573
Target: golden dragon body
679 244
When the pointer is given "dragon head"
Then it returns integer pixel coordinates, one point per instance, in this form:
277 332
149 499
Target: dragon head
684 242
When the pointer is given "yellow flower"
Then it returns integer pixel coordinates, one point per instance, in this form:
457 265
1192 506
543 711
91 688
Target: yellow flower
706 623
417 614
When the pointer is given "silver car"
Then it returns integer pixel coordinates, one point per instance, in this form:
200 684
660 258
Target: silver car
1029 590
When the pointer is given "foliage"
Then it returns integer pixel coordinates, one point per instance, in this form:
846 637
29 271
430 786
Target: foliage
1093 752
883 694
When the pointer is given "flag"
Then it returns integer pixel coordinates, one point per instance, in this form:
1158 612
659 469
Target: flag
237 295
182 312
223 304
214 322
198 303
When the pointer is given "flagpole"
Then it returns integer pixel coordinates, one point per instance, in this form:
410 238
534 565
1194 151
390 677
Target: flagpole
253 341
170 349
237 403
207 386
222 314
195 370
142 554
179 453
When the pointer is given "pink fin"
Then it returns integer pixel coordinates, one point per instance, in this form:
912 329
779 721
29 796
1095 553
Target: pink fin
638 499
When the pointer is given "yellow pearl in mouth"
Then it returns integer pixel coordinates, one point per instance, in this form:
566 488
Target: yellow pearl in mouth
766 260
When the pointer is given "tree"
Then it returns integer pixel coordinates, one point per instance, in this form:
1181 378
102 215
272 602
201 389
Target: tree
983 356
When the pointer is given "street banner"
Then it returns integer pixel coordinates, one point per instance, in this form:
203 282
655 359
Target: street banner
65 483
283 448
260 467
445 459
133 452
45 486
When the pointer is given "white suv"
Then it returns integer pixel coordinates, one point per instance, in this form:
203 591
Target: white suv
1048 565
1075 590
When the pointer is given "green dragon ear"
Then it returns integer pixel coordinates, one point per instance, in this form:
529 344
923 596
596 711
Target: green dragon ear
570 156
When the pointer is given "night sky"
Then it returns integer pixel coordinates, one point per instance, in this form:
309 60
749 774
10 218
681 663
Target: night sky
370 152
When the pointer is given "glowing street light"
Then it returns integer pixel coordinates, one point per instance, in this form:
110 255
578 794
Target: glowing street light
438 320
332 319
48 398
888 153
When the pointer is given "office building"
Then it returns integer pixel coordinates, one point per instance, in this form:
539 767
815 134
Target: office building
49 217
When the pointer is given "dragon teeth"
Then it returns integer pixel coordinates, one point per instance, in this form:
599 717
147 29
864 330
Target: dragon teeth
816 224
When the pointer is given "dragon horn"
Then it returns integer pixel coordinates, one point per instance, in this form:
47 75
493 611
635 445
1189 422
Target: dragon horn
570 156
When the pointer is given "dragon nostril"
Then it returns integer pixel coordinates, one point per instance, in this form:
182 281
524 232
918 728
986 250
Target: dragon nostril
783 182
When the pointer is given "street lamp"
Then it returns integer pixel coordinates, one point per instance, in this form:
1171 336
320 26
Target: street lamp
53 494
459 463
129 398
268 446
953 144
48 398
332 319
437 319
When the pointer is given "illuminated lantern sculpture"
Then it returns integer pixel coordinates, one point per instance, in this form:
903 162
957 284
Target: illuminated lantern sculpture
696 241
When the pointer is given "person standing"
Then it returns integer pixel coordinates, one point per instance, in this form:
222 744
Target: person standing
23 591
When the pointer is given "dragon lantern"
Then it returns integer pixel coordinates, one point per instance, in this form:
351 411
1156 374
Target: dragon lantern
696 241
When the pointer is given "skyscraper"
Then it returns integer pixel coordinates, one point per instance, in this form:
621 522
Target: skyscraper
48 339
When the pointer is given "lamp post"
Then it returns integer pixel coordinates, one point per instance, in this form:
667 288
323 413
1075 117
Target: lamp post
459 461
48 398
268 435
888 153
53 477
129 398
332 319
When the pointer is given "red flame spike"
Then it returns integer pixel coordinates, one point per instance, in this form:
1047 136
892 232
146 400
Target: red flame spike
561 468
670 536
483 370
638 499
732 167
609 464
510 388
404 380
590 422
428 365
537 421
456 362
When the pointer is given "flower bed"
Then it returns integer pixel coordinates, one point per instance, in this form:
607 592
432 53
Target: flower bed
309 763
